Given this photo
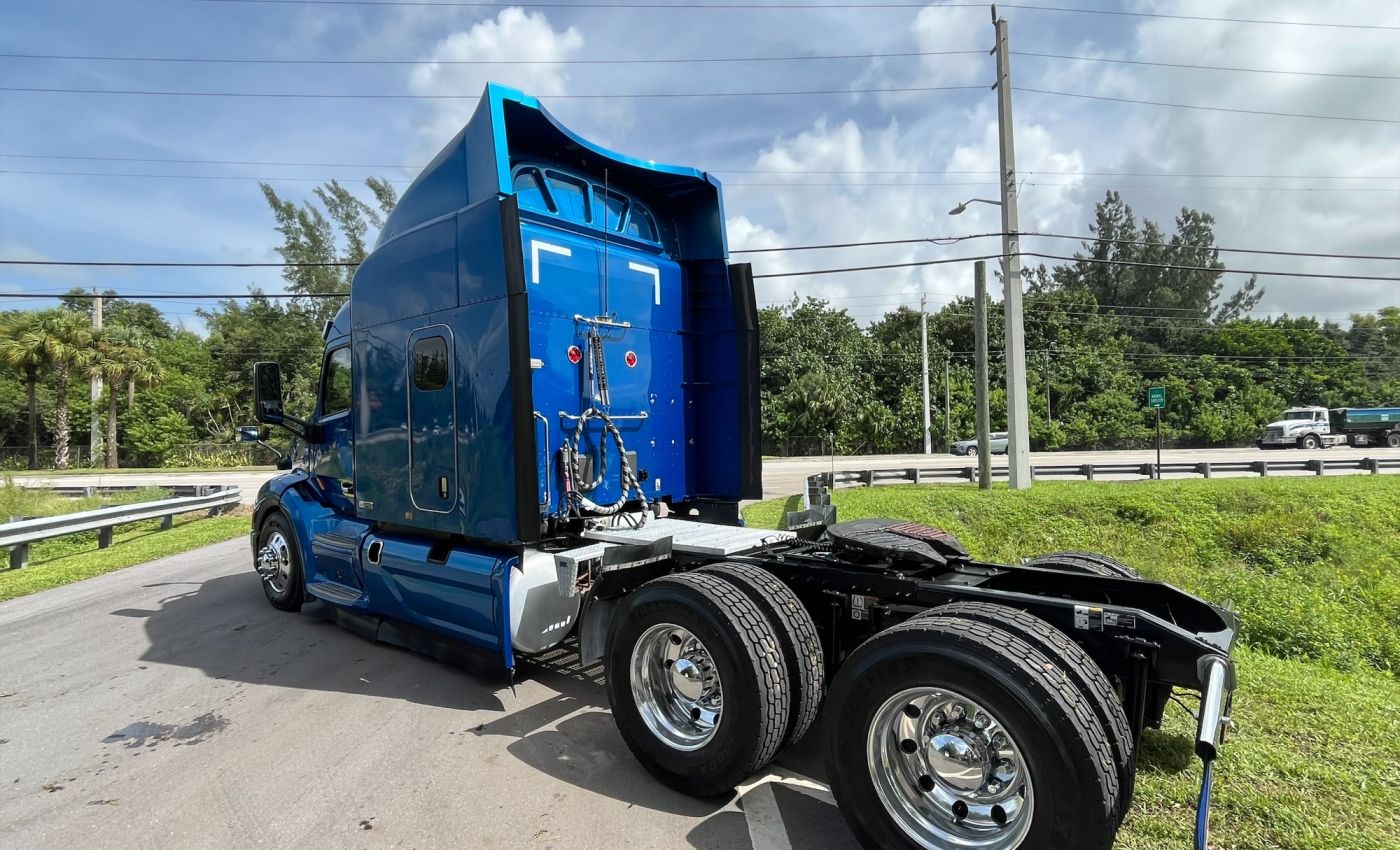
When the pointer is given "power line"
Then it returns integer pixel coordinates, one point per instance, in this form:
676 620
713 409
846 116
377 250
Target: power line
729 184
640 6
1176 267
684 60
1198 106
1270 252
932 240
1231 68
670 60
1024 171
364 96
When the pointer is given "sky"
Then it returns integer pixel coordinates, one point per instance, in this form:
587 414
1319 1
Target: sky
854 162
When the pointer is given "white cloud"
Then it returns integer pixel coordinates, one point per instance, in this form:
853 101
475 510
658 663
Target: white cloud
513 35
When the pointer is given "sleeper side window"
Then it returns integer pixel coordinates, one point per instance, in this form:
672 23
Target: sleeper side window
529 189
614 207
430 363
641 225
335 382
570 196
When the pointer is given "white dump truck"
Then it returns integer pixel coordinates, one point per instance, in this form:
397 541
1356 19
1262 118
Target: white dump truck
1317 427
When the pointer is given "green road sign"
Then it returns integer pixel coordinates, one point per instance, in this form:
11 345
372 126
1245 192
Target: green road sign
1157 397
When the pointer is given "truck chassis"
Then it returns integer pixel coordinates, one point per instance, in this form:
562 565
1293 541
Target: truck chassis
943 678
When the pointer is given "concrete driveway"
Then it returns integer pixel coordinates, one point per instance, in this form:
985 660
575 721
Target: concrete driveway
169 706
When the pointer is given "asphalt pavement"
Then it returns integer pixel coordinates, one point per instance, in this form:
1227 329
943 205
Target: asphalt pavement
169 706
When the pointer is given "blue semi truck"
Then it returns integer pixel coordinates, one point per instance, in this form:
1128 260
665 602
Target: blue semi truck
537 416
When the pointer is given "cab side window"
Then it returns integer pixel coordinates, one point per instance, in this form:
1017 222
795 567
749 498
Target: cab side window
570 195
335 382
430 363
529 188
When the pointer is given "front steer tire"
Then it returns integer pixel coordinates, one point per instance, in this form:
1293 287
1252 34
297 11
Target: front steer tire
797 639
285 590
737 645
1073 794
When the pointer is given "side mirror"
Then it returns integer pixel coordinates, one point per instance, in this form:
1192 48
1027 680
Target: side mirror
267 393
250 434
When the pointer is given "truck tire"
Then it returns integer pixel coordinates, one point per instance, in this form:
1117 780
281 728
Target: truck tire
1077 665
945 733
1392 439
279 563
1309 442
797 639
1085 562
704 725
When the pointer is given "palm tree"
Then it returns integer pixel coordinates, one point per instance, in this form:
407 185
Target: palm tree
124 356
69 345
25 343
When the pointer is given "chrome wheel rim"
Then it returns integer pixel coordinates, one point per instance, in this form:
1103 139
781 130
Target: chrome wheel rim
275 562
948 772
676 687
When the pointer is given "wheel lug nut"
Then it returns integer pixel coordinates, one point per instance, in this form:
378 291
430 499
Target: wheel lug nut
998 741
957 712
980 720
909 746
939 718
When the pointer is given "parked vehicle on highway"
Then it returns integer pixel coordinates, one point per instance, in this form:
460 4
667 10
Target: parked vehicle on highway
537 416
997 445
1318 427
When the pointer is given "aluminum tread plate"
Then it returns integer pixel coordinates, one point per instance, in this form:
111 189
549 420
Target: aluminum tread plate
693 538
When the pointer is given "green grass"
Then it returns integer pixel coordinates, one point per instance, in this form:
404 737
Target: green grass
1313 566
76 557
21 501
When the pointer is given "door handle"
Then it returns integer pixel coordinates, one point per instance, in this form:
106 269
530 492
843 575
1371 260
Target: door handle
347 488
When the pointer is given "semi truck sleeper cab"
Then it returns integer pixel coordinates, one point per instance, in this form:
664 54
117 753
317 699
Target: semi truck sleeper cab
538 413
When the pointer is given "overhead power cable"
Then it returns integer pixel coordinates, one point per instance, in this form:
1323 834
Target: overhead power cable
789 7
669 60
1024 171
1197 106
1270 252
681 60
365 96
1231 68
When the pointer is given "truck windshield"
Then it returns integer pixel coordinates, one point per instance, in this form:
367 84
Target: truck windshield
1298 414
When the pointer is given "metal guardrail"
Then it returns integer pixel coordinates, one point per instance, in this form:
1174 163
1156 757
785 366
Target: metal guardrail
818 484
17 536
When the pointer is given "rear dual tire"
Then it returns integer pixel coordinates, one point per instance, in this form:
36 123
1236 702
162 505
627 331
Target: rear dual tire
698 683
948 732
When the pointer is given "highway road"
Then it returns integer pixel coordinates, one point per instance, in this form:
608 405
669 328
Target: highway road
169 706
781 476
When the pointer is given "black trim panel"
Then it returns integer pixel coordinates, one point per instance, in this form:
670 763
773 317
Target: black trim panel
527 509
741 294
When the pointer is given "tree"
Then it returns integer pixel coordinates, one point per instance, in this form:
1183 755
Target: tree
124 357
25 344
1168 288
310 242
64 339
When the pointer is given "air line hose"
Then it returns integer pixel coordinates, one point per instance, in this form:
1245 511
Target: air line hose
569 454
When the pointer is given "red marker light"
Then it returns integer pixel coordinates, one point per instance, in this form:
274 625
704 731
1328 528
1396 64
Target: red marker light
630 359
575 354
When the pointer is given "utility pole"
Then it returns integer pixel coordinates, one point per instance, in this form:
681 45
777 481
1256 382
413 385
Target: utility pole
95 453
923 344
1017 408
984 414
948 399
1048 353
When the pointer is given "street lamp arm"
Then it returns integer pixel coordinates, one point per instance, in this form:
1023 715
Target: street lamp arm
961 208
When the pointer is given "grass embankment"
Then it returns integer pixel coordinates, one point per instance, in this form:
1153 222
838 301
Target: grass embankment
76 556
1312 564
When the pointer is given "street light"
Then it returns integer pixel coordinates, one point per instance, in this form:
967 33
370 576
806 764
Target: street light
962 208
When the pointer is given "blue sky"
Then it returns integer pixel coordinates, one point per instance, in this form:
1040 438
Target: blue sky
931 149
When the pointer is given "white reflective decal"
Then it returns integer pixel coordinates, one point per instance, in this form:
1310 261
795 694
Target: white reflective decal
655 276
536 246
